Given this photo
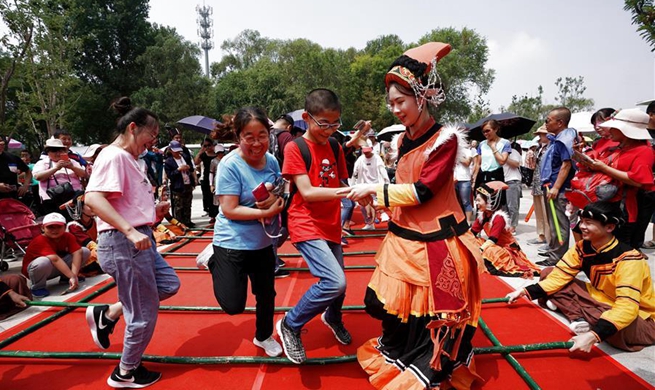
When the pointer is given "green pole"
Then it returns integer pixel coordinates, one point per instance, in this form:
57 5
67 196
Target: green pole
239 359
510 359
300 269
556 227
188 254
53 317
250 309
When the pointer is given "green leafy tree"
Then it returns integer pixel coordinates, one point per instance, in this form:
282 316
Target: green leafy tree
47 69
462 70
112 34
173 84
570 94
14 46
643 15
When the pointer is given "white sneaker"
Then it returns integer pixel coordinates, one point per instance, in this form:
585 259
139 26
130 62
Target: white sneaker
551 305
369 226
270 346
579 326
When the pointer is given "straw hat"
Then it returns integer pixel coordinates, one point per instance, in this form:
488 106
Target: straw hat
541 130
632 122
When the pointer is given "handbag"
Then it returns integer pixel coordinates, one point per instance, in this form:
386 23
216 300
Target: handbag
61 193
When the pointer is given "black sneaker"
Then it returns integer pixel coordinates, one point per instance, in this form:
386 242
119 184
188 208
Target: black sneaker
340 332
101 327
281 273
291 342
135 379
547 263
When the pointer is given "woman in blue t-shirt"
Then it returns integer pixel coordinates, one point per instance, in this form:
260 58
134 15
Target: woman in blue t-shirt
242 233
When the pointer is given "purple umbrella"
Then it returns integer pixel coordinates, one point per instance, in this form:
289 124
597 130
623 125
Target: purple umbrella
201 124
14 144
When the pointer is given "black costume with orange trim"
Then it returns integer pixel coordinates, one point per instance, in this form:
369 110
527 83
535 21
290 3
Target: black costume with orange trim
425 289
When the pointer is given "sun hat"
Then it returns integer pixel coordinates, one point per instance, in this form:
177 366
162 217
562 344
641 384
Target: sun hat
371 133
91 150
632 122
175 146
541 130
54 219
53 143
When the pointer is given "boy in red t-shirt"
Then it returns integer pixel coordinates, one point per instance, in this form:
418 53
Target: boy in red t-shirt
53 253
314 221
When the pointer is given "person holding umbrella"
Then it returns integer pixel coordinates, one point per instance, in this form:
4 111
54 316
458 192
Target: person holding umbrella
492 155
428 319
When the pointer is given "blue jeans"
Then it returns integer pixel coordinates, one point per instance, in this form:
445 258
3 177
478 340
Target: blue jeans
347 207
325 261
463 189
143 279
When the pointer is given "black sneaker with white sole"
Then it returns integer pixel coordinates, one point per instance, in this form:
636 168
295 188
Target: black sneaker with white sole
340 332
101 327
138 378
291 342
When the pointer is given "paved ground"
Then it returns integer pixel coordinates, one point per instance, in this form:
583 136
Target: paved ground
641 363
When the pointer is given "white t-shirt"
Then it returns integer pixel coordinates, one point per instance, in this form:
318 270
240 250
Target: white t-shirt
463 172
510 172
370 170
117 172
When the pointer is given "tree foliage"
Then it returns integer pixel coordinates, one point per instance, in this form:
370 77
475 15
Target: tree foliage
643 15
278 74
570 91
48 83
15 43
172 81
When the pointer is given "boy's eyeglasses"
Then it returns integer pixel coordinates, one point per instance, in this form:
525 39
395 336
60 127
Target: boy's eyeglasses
325 126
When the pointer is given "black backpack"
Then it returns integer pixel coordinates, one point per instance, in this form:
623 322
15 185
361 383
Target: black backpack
274 145
307 158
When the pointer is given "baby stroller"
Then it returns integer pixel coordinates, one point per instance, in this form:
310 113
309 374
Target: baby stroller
17 228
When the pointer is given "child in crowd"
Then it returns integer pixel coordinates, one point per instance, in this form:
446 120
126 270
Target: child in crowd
54 253
618 304
501 253
83 227
315 221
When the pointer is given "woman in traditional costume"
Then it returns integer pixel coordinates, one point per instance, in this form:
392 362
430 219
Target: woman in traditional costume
425 289
501 253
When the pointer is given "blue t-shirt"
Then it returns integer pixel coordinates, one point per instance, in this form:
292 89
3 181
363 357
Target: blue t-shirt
488 162
560 153
238 178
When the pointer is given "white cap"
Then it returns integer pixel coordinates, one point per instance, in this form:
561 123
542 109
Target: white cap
219 148
54 219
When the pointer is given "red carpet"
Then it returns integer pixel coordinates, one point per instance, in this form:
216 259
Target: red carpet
217 334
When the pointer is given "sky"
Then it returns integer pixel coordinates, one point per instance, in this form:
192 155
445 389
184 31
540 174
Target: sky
531 43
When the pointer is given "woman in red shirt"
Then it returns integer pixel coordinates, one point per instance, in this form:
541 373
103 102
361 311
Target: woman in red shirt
633 168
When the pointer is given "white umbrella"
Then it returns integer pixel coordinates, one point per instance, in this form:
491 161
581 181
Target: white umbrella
581 121
388 132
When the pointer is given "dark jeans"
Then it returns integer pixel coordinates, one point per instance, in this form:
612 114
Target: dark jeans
231 269
558 250
208 199
182 204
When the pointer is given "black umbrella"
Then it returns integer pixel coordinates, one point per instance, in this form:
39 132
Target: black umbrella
511 125
201 124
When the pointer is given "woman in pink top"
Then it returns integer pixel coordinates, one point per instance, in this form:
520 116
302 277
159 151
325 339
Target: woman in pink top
121 196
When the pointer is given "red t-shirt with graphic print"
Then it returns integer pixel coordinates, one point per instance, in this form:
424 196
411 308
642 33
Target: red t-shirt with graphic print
315 220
